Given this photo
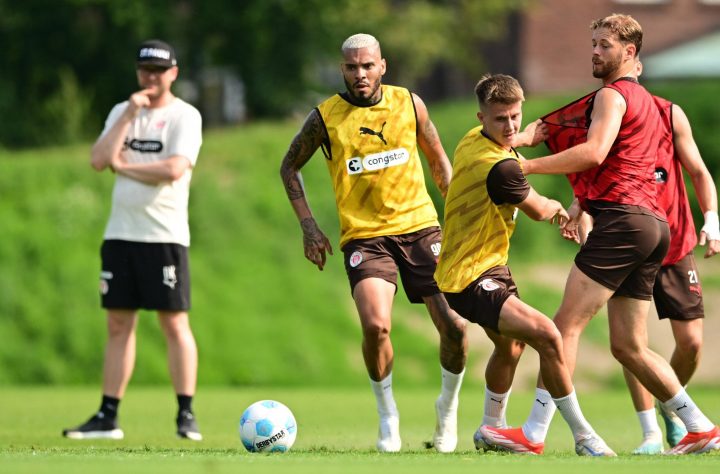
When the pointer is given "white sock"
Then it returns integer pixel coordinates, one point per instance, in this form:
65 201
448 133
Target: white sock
538 423
683 406
384 397
649 424
570 410
450 388
495 408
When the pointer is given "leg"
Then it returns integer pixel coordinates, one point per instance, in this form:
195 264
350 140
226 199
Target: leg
119 351
628 342
453 354
688 345
644 405
182 351
582 299
117 369
453 333
500 369
520 321
373 299
182 362
628 339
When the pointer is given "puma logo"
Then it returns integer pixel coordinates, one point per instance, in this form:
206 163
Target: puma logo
684 406
496 401
369 131
541 403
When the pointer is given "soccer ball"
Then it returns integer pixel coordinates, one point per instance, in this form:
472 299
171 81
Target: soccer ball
267 426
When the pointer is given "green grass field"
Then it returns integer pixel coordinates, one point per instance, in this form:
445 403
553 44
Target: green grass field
336 433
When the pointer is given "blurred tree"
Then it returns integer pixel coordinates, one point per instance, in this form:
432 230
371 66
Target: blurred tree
65 62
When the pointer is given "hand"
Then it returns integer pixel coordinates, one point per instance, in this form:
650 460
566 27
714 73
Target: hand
561 216
315 243
710 234
535 133
137 102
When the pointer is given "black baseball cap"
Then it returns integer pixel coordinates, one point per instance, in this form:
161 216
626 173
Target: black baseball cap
156 53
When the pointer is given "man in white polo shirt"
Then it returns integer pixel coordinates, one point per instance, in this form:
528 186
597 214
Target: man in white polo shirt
151 142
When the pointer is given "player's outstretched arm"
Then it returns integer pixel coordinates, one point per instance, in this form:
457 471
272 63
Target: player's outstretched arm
608 110
539 208
432 148
687 152
303 146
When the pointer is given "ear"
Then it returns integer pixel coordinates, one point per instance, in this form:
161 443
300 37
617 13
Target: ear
383 66
480 116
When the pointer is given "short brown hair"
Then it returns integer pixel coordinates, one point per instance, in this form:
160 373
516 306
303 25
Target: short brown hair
498 89
627 29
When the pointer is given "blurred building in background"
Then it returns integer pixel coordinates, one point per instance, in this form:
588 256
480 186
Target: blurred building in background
681 39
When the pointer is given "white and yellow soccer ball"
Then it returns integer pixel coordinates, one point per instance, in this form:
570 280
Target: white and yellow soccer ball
267 426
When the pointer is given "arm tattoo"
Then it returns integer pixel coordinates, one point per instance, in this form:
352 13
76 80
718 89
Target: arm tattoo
439 171
302 148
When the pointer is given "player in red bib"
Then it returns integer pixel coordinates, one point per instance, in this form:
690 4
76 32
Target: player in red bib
630 238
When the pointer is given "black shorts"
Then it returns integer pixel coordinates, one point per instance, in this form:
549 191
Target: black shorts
677 292
624 252
415 255
483 299
139 275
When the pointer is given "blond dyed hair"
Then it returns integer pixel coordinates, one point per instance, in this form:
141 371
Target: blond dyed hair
359 40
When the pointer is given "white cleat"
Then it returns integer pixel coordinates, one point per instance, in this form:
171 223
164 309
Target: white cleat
445 436
389 435
593 445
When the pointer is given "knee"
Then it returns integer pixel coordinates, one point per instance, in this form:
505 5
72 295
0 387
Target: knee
690 348
376 331
120 326
548 341
624 353
456 329
510 351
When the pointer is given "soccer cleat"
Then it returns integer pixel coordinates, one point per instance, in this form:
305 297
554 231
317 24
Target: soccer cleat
674 427
508 439
187 426
650 445
97 427
480 442
593 445
697 443
445 436
389 435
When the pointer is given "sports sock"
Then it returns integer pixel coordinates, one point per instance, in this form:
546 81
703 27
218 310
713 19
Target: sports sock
495 408
109 407
569 408
649 424
538 423
683 406
184 403
450 387
384 396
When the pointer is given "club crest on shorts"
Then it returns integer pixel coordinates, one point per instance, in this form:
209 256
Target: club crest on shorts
169 277
489 285
355 259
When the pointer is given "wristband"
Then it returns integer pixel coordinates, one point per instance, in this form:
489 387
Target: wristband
712 226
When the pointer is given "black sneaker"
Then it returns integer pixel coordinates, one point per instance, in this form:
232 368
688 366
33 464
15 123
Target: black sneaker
97 427
187 426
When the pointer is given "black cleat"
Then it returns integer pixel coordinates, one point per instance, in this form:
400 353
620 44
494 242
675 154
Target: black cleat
97 427
187 426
